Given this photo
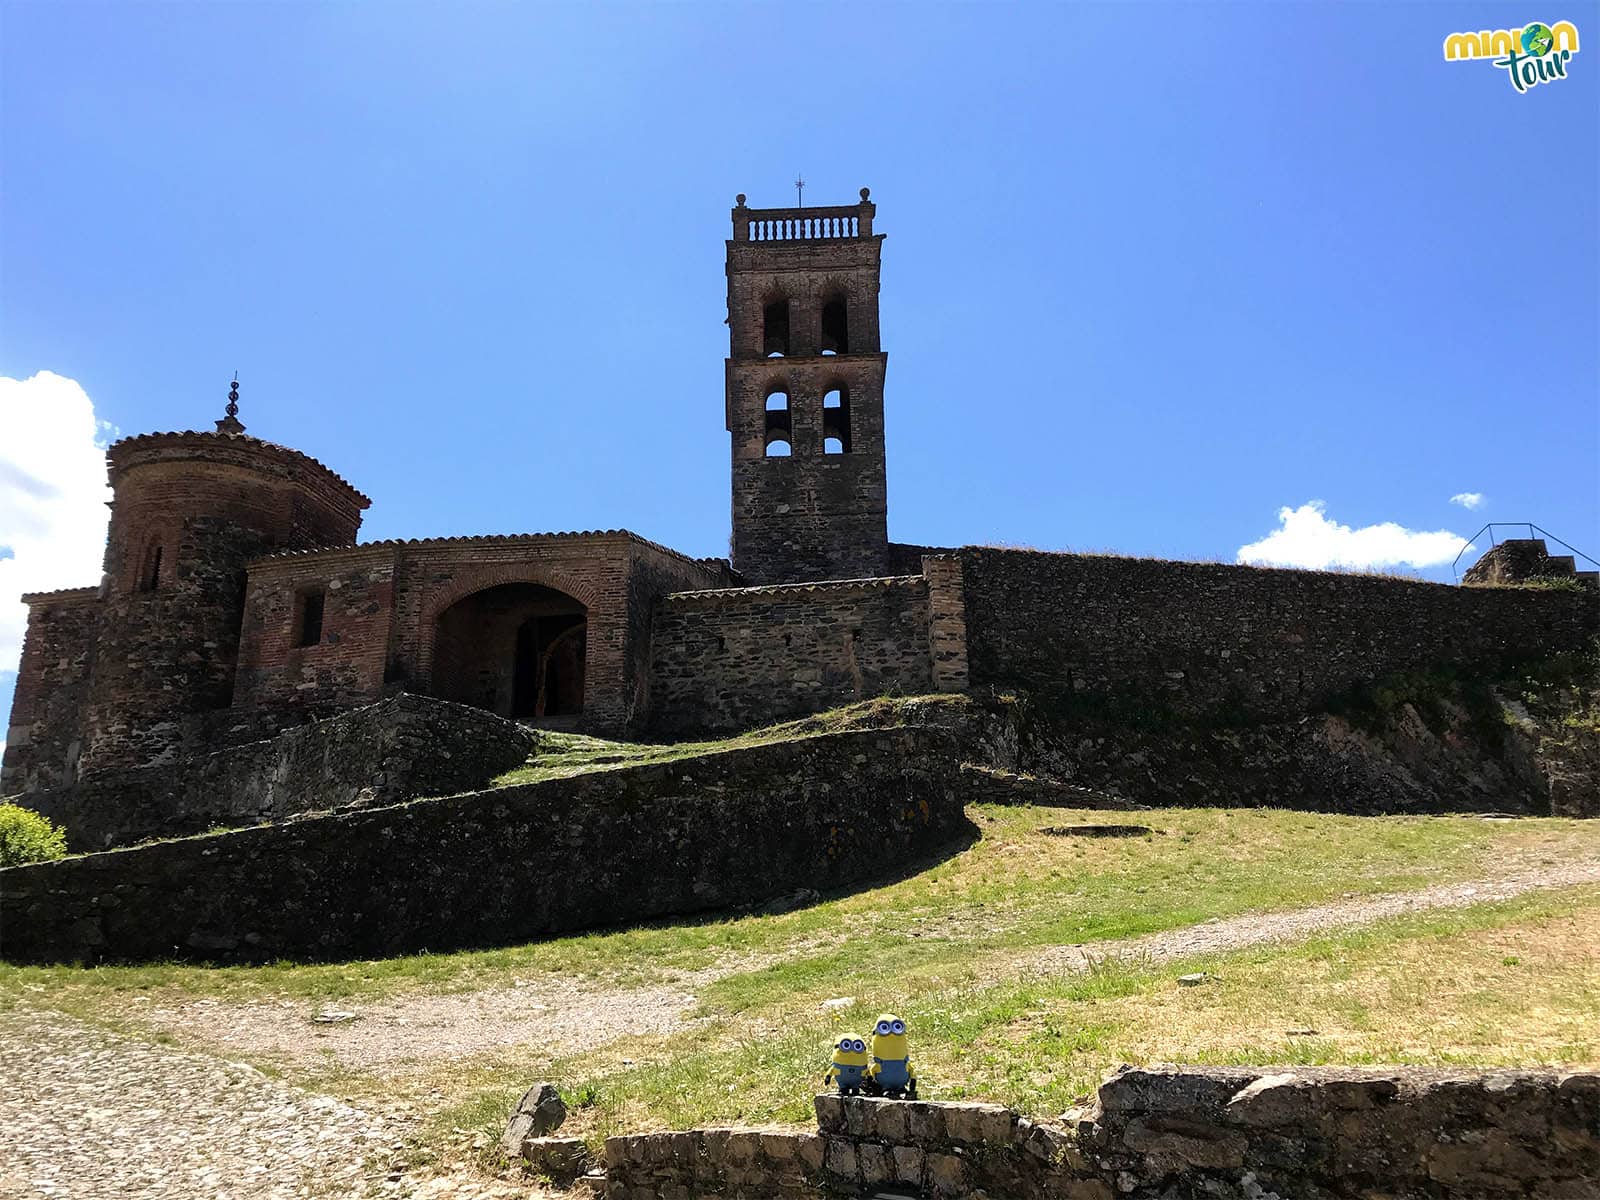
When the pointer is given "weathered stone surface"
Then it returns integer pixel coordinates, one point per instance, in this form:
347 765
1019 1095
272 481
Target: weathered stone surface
561 1158
543 1104
730 659
398 749
1174 1133
1268 642
505 865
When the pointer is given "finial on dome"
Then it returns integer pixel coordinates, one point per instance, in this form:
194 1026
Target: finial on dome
231 422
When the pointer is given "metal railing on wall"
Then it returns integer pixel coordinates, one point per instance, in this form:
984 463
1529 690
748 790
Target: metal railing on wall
1533 530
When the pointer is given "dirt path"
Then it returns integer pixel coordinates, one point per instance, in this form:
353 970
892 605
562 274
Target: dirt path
1254 929
554 1018
91 1114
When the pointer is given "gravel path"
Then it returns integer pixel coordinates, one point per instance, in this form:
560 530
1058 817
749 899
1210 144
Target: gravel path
1234 933
89 1114
557 1018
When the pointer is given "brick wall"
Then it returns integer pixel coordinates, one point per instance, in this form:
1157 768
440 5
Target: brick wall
1165 1133
808 515
45 736
733 659
1207 639
384 602
345 667
190 511
508 865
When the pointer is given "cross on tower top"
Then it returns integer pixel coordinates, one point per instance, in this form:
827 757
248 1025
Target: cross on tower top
799 191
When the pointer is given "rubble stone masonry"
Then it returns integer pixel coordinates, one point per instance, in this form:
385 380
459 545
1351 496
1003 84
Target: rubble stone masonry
1165 1133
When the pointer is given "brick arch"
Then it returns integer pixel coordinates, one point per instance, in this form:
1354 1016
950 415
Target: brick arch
481 579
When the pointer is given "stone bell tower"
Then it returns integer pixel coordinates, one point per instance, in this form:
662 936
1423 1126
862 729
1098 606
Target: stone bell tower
805 394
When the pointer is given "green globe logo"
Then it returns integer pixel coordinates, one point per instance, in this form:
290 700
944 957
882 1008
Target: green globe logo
1537 39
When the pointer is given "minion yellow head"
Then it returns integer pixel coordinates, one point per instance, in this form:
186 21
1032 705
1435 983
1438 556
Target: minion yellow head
889 1038
850 1050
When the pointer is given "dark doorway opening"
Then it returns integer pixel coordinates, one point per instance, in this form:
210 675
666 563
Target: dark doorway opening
549 671
517 649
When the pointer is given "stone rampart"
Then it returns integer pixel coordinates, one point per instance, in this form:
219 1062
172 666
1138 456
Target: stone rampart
731 659
1160 1133
401 748
1208 640
714 831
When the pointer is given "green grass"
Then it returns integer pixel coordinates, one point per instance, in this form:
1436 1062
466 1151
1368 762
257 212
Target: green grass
1015 888
1434 989
562 755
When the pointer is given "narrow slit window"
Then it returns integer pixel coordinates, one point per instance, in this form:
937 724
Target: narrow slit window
150 570
309 625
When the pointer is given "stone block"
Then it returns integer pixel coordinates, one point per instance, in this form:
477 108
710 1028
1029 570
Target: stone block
809 1149
839 1158
1157 1089
909 1164
889 1121
561 1158
830 1112
877 1166
1185 1143
946 1175
780 1147
924 1121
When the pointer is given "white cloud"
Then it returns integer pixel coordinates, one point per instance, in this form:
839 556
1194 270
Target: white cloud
1305 537
1469 500
53 496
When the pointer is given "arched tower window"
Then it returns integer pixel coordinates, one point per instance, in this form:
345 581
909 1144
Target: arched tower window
836 420
779 427
775 328
150 568
835 326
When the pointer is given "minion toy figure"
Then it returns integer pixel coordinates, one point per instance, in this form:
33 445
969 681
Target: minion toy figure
849 1066
891 1073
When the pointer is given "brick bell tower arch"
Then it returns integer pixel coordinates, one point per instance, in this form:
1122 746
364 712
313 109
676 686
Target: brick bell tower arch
805 378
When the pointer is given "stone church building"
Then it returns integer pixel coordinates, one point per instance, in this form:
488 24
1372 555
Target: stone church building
237 601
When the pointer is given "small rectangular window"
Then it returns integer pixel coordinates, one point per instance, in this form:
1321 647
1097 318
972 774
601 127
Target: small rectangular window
310 624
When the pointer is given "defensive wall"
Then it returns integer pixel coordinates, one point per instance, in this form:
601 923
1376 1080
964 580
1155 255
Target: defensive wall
732 658
398 749
1199 641
1165 1133
507 865
1208 639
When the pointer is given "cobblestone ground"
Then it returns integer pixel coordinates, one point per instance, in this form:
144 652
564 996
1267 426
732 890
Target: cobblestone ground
86 1114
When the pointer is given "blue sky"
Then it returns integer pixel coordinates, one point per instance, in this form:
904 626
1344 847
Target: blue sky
1153 273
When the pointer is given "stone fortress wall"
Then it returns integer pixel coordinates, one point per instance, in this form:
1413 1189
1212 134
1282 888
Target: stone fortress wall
715 831
1196 640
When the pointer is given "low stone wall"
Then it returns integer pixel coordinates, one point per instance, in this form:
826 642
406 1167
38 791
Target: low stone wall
1179 1133
398 749
716 831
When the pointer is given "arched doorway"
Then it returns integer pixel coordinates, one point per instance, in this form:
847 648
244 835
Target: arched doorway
516 649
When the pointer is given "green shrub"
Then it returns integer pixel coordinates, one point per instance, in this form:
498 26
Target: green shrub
26 837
